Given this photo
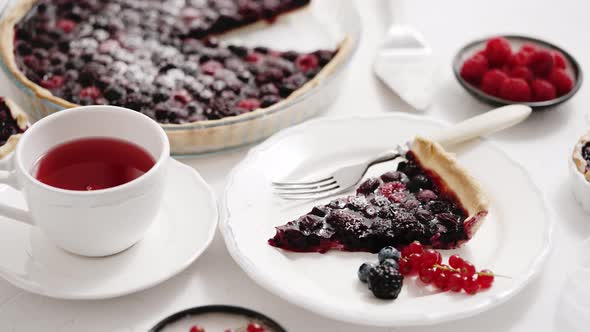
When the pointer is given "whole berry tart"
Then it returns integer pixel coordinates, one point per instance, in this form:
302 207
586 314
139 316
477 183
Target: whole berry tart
163 59
581 156
429 198
13 122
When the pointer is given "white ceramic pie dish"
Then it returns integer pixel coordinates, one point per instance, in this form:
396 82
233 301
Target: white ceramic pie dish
327 284
323 24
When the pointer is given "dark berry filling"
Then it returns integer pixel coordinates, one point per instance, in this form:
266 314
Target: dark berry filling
160 58
586 152
410 204
8 125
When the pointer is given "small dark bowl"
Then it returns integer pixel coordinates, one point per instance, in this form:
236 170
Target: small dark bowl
515 41
220 309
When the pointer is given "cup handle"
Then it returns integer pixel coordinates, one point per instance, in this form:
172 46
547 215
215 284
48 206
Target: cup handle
8 176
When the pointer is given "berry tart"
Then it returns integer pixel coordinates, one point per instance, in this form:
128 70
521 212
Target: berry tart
429 198
13 122
162 59
581 156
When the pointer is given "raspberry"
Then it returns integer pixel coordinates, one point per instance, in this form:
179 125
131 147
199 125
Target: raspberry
307 62
182 96
210 67
385 282
474 68
390 188
528 48
559 60
91 91
520 58
515 89
522 72
66 25
492 81
52 82
562 81
253 57
543 90
541 63
498 51
253 327
249 104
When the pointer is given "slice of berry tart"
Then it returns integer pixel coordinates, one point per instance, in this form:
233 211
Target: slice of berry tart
581 155
13 122
429 198
159 58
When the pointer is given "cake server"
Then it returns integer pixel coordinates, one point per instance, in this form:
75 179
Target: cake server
405 62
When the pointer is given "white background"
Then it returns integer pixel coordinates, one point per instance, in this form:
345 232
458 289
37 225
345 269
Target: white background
542 144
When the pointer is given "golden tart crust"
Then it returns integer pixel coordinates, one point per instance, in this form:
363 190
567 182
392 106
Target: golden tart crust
467 190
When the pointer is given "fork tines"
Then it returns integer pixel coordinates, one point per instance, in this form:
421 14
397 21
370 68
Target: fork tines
305 190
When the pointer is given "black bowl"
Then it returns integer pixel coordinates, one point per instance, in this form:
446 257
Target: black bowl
515 41
250 315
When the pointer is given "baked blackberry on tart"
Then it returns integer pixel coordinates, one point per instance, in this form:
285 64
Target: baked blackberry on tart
158 57
429 198
13 122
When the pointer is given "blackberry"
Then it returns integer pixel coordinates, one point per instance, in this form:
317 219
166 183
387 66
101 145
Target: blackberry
385 282
419 182
409 168
389 252
369 186
364 269
395 176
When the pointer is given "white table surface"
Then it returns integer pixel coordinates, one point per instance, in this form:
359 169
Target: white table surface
542 144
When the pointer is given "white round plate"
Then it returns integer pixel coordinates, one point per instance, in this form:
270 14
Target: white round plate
183 229
514 239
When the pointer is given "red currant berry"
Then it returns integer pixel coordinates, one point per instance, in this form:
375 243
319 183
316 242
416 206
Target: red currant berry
470 285
416 247
431 257
467 269
415 262
405 268
441 280
455 282
455 261
196 329
406 251
426 274
485 278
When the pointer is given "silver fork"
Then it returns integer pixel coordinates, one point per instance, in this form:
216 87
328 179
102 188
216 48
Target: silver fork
346 177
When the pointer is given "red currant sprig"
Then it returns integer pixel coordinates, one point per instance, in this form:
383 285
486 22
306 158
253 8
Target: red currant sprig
458 275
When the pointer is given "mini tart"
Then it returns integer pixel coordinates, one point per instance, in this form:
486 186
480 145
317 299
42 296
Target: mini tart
429 198
168 115
581 155
13 122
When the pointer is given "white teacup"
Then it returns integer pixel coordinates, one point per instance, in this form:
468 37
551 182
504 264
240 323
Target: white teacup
89 223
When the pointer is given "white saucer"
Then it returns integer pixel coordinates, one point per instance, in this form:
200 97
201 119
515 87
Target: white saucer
182 231
514 240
